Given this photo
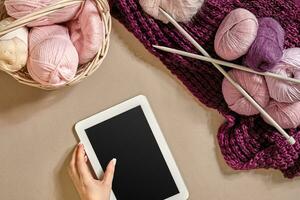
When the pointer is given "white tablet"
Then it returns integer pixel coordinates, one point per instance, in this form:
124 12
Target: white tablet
145 167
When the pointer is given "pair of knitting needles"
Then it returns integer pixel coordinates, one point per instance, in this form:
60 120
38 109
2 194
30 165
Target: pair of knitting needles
224 63
216 63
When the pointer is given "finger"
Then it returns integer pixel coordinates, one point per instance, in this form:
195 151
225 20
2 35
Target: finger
109 173
82 167
72 165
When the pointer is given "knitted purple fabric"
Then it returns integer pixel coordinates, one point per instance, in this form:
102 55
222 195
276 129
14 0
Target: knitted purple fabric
245 142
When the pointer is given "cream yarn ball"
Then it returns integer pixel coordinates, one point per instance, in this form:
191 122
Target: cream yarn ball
13 48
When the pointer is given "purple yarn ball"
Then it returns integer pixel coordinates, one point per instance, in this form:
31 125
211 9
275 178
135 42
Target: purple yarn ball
267 49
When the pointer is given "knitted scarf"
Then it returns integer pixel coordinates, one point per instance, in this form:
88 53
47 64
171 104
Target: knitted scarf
245 142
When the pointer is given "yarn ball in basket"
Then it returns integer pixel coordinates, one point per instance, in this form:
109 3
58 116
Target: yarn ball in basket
21 8
180 10
13 48
285 91
53 59
236 34
266 50
254 84
287 115
87 32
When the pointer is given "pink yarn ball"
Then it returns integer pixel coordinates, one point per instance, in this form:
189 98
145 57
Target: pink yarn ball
53 59
236 34
285 114
291 56
87 32
285 91
180 10
21 8
254 84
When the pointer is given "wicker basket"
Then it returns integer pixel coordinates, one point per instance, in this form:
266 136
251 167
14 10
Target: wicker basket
83 71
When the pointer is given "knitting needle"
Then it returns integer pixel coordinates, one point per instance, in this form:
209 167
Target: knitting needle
289 138
224 63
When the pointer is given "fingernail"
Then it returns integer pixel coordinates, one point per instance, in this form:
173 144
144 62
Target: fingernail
85 158
114 161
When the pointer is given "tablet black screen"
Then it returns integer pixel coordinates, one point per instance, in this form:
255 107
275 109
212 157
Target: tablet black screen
141 171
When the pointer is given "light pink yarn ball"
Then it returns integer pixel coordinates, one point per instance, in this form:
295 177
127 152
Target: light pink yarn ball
236 34
180 10
20 8
287 115
53 59
291 56
87 32
254 84
285 91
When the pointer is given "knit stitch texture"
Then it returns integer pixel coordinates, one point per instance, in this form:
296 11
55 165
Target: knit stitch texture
245 142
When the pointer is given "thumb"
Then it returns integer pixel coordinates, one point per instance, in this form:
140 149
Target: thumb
109 172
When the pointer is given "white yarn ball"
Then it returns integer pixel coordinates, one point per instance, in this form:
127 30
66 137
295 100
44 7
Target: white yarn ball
13 48
180 10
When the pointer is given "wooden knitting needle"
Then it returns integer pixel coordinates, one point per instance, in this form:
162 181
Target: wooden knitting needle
290 139
224 63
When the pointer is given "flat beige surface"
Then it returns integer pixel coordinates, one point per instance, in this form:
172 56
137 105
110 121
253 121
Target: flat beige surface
36 135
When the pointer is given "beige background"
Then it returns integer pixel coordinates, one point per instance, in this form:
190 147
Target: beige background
36 134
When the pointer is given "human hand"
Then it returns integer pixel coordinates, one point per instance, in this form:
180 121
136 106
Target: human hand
88 187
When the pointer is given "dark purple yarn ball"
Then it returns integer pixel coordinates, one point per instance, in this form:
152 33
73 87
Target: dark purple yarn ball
267 49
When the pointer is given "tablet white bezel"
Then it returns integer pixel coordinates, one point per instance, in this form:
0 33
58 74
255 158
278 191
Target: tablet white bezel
140 100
